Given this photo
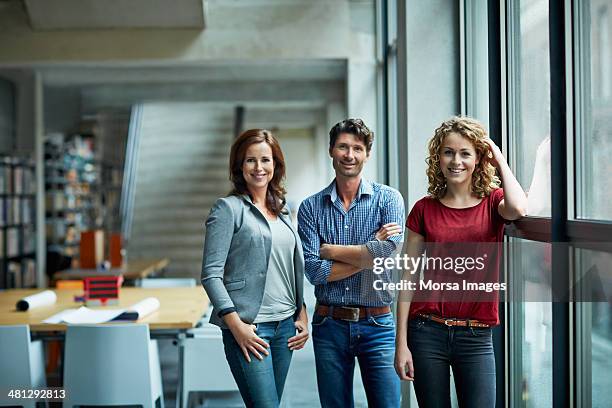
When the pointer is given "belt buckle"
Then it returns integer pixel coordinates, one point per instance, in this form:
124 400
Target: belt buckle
449 322
355 314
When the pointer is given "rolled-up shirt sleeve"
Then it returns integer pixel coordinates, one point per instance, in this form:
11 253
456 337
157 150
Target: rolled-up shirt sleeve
317 270
392 211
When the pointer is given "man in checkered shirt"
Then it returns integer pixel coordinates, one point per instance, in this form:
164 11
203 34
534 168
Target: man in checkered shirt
343 228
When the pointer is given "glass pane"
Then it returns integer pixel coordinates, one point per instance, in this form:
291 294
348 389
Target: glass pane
596 322
531 325
601 348
532 138
595 189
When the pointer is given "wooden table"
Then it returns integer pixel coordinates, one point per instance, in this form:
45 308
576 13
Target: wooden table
180 308
135 269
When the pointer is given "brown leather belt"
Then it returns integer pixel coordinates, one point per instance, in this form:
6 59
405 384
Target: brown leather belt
454 322
351 313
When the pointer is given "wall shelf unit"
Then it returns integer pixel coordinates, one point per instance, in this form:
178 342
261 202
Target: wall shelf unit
17 222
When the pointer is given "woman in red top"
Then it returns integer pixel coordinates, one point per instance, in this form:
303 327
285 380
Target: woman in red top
451 327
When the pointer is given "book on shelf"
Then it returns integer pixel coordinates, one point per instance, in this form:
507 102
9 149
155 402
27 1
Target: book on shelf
16 201
12 242
14 274
29 272
8 210
3 218
26 216
29 239
29 185
3 180
18 180
5 176
22 274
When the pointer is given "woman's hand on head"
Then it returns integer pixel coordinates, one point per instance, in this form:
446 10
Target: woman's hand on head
494 155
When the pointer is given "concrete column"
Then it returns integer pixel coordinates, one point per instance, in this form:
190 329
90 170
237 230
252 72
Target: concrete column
39 153
361 101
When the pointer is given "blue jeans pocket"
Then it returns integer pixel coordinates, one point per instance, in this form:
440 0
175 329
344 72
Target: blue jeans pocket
480 332
318 320
385 320
416 324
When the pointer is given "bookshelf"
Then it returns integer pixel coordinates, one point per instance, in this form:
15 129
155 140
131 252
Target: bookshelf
17 222
82 192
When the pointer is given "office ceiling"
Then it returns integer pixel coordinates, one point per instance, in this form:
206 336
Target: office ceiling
287 70
105 14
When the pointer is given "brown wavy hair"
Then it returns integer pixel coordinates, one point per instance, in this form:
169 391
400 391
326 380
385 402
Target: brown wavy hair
275 196
484 179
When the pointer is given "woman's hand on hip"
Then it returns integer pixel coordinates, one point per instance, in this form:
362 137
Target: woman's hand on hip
247 338
298 341
403 363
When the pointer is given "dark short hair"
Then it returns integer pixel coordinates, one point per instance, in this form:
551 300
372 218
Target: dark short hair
275 200
355 127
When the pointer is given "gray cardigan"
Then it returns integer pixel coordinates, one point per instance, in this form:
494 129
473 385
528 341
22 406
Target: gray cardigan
236 254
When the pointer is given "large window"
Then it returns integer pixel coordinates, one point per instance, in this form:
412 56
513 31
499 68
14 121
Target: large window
529 107
593 107
595 124
544 333
594 312
531 323
552 104
528 144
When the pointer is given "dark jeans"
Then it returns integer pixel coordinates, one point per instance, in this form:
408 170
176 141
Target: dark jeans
336 345
261 383
468 351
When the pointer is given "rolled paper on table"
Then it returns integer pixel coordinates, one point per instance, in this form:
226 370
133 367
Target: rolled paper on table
44 298
146 307
139 310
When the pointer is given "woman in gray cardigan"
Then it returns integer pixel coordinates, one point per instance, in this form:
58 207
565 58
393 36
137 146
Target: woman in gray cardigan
253 271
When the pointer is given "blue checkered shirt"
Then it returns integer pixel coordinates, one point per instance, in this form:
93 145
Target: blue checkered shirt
322 219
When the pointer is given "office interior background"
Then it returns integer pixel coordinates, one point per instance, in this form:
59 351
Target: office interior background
146 96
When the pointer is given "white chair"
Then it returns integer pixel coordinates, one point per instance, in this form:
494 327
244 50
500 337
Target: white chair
22 363
204 368
111 365
203 364
166 282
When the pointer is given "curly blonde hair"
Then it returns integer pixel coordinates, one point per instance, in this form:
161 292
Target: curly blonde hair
484 179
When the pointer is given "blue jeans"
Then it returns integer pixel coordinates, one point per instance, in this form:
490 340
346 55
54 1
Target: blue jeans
261 382
338 342
468 351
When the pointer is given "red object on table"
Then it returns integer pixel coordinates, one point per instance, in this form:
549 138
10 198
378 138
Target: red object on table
114 250
102 290
91 251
